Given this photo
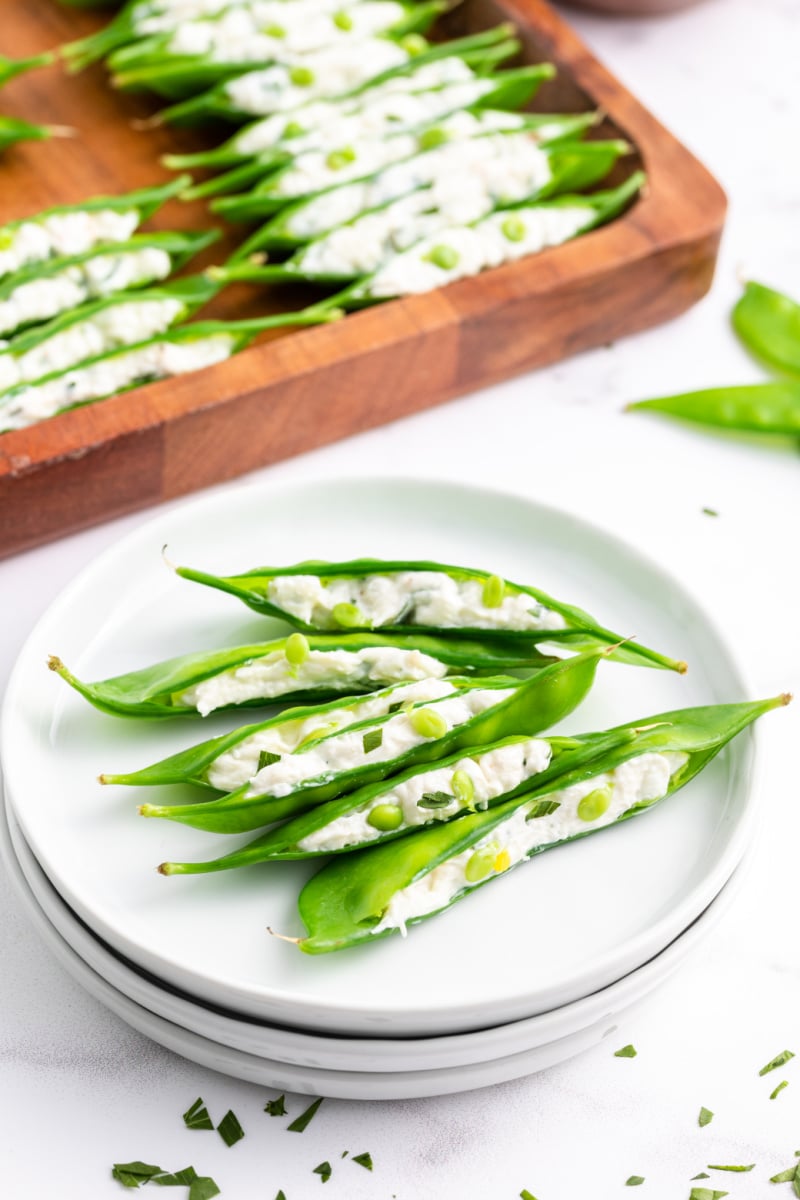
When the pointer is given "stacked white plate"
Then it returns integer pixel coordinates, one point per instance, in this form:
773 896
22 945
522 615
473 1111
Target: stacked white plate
529 971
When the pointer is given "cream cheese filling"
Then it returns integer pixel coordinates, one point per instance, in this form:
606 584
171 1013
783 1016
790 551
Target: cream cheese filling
60 234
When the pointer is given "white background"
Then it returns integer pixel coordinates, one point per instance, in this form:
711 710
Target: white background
81 1090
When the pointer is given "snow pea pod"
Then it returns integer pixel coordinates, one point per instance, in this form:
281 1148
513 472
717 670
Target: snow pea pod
226 762
96 328
382 890
330 75
13 130
175 352
371 751
72 229
294 668
11 67
768 322
41 291
772 408
411 596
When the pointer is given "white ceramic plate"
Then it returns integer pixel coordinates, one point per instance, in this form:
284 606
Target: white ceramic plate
599 1014
559 928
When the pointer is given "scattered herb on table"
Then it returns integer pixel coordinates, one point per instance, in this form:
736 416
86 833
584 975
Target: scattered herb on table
137 1174
184 1178
203 1188
786 1176
280 1196
276 1108
701 1175
324 1170
702 1193
626 1052
134 1174
784 1083
363 1160
197 1116
777 1061
711 512
705 1118
634 1180
720 1167
526 1195
304 1120
229 1129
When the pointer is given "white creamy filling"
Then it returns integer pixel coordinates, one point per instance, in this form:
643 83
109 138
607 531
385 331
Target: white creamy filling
335 670
640 779
334 71
492 775
162 360
320 169
409 598
239 36
239 764
457 165
163 18
41 299
63 234
476 248
345 751
119 325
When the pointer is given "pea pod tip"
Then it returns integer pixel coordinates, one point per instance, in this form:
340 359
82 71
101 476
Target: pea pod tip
282 937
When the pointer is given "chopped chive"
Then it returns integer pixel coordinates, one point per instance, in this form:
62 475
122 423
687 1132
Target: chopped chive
720 1167
393 708
372 740
710 512
266 758
702 1175
276 1108
786 1176
784 1083
203 1188
705 1118
363 1160
526 1195
133 1174
197 1116
280 1196
184 1178
304 1120
435 800
344 1154
542 808
229 1129
634 1180
705 1194
324 1170
777 1061
626 1052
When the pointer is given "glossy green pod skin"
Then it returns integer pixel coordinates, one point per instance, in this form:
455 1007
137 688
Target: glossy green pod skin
765 408
152 691
581 632
193 766
13 130
768 322
481 50
176 77
538 703
11 67
344 902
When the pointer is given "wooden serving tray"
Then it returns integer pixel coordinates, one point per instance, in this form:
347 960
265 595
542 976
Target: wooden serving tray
304 388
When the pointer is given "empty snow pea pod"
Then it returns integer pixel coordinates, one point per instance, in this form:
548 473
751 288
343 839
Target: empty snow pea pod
90 330
224 763
175 352
43 290
13 130
227 49
768 322
381 890
11 67
75 228
370 751
771 408
296 668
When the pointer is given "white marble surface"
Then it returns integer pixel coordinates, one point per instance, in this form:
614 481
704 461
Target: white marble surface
80 1090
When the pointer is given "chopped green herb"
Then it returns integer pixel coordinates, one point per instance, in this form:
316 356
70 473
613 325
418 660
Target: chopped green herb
720 1167
435 800
344 1154
429 139
229 1129
634 1180
705 1118
304 1120
526 1195
786 1176
324 1171
197 1116
784 1083
372 739
266 758
184 1178
134 1174
442 256
710 512
702 1175
203 1188
705 1194
777 1061
542 808
363 1160
626 1052
336 160
393 708
280 1196
276 1108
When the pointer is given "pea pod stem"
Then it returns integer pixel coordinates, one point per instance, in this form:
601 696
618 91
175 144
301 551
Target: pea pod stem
768 323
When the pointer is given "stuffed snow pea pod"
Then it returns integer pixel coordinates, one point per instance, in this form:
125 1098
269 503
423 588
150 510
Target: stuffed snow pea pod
75 228
11 67
296 668
169 354
40 292
371 750
13 130
408 597
768 322
382 890
97 328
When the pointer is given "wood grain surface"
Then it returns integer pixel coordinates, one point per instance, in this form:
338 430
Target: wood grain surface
296 390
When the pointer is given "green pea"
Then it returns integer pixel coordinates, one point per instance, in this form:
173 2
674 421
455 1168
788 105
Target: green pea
592 807
480 864
463 788
348 616
414 44
428 723
513 229
301 76
340 158
343 20
386 817
293 129
297 649
443 256
6 239
431 138
494 590
275 31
